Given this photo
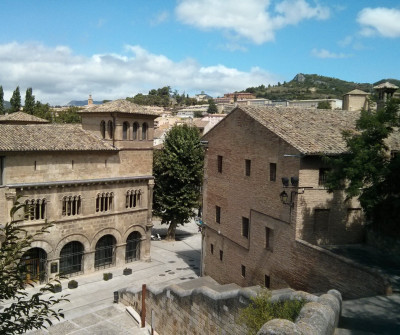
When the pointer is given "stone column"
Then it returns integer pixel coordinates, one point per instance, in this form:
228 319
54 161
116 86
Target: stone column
120 255
88 262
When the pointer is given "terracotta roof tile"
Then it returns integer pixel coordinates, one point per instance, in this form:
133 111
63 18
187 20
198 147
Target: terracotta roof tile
122 106
49 137
21 117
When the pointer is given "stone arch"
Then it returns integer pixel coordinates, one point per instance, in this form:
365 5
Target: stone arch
106 231
125 130
145 130
46 246
70 238
133 228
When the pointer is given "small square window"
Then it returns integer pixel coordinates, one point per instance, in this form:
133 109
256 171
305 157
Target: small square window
219 158
323 173
247 167
245 227
217 214
243 271
272 171
221 255
212 249
267 281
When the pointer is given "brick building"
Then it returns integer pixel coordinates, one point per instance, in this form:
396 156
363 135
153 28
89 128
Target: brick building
93 180
259 231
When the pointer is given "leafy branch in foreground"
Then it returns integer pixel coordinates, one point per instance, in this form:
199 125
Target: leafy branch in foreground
23 311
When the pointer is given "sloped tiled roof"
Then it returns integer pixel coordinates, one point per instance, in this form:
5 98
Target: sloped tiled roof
311 131
49 137
122 106
357 92
21 117
386 84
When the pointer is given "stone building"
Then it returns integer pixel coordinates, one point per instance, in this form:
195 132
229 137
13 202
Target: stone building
267 213
356 100
93 181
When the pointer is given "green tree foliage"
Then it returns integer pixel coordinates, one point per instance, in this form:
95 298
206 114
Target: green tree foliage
159 97
70 115
212 107
261 310
43 111
368 170
15 101
178 171
23 311
1 101
324 105
29 101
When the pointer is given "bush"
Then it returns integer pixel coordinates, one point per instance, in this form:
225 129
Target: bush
127 271
57 288
262 310
107 275
72 284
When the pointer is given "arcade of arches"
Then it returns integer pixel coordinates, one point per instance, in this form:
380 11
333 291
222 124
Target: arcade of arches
73 257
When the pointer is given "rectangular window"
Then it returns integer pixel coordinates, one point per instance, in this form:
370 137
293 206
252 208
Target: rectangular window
212 249
221 255
322 176
243 271
217 214
272 172
247 167
245 227
269 237
220 164
267 281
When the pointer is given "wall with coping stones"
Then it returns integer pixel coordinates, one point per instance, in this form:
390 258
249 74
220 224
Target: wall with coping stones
203 310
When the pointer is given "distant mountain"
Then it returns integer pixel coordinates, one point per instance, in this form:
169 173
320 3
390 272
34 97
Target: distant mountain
79 103
312 86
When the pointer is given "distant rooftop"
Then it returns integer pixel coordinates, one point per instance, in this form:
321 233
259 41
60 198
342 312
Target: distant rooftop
121 106
21 118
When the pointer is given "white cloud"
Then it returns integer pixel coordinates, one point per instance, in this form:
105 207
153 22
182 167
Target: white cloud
250 19
380 21
323 53
57 75
160 18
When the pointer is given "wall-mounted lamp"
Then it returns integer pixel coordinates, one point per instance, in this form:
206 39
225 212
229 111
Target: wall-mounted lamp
284 198
294 181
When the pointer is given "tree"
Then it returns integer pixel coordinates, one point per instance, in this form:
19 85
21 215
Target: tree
43 111
29 101
178 171
15 101
369 171
1 101
26 311
70 115
324 105
212 107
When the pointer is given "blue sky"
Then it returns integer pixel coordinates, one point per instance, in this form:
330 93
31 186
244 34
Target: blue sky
66 50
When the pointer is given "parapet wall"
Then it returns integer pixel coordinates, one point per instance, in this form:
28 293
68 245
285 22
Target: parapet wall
201 306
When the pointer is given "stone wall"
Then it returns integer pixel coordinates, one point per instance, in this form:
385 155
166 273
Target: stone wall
201 307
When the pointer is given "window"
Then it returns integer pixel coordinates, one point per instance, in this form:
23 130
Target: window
267 281
104 202
110 129
145 127
247 167
71 205
217 214
243 271
321 221
272 172
245 227
72 164
1 170
133 198
219 165
125 129
103 129
212 249
135 131
221 255
34 165
322 176
35 209
269 235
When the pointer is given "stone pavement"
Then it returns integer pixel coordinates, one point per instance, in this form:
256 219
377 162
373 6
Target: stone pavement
91 309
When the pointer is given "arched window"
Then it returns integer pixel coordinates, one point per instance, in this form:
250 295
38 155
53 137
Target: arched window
35 209
135 131
125 129
110 129
35 260
132 252
133 198
103 129
104 202
144 131
105 252
71 256
71 205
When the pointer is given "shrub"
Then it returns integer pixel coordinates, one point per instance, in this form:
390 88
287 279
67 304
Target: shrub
72 284
107 276
261 310
127 271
